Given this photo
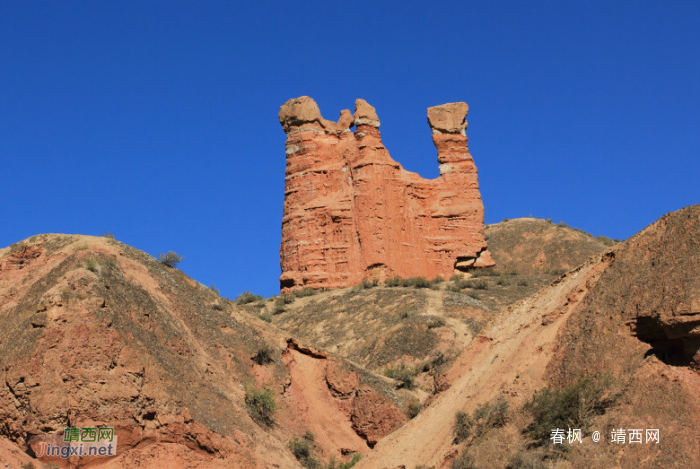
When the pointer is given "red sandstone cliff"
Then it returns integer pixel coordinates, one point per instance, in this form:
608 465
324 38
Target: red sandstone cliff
352 212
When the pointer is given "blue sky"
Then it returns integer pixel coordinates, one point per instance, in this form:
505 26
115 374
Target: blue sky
157 121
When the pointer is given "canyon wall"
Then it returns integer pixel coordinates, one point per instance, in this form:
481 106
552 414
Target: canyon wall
351 212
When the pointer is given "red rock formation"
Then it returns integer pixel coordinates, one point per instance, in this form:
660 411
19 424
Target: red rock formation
352 212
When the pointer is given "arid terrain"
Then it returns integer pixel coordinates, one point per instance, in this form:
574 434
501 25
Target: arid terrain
567 331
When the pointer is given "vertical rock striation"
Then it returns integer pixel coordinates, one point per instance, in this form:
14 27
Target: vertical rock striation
352 212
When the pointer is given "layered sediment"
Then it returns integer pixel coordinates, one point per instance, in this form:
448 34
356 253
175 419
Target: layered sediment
351 212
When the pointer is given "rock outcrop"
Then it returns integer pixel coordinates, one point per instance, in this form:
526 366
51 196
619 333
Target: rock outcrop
351 212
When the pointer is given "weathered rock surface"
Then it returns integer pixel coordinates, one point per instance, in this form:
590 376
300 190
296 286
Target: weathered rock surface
352 212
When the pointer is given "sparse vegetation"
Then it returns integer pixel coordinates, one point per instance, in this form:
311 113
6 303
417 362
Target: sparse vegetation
109 236
486 416
215 290
306 291
261 405
523 282
170 259
436 322
405 314
247 297
264 355
502 281
572 406
369 283
463 461
265 317
413 409
401 373
476 284
526 460
476 273
301 449
415 282
334 464
474 326
92 266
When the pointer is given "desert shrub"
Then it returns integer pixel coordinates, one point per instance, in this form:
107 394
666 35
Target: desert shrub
454 287
506 219
423 466
301 449
109 236
403 374
511 271
436 322
306 291
561 224
557 272
477 284
502 281
605 240
418 282
265 317
485 417
29 465
264 355
435 283
549 220
572 406
335 464
405 314
463 461
474 326
476 273
287 298
525 460
474 295
413 409
261 405
523 282
80 247
392 282
247 297
215 290
369 283
309 436
170 259
92 266
457 277
462 427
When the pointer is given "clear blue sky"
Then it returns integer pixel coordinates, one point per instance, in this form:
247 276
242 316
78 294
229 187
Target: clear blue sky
157 121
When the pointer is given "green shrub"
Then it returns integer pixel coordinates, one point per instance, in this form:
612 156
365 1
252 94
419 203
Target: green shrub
561 224
301 449
403 374
572 406
457 277
247 297
261 405
523 282
170 259
335 464
264 355
287 298
502 281
454 287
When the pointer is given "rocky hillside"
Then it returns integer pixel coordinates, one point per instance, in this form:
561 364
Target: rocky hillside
612 345
96 333
468 372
